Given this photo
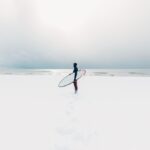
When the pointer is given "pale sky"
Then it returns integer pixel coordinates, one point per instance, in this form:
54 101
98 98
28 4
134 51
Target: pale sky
56 33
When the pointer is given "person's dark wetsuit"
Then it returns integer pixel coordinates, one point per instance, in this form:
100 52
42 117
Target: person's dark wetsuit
75 71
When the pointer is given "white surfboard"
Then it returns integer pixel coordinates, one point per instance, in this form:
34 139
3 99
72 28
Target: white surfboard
70 78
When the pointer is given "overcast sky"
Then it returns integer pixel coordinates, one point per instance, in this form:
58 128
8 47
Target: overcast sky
94 33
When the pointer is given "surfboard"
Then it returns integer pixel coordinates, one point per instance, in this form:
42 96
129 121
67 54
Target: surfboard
67 80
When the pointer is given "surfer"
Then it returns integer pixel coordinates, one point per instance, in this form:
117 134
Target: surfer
75 71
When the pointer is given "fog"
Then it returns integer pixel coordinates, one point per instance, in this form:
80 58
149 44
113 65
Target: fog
96 34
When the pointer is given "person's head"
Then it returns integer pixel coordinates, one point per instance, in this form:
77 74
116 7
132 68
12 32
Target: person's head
74 64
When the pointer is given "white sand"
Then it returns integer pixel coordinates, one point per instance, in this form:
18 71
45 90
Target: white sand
108 113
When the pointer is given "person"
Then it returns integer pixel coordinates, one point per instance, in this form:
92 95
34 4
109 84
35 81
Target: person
75 71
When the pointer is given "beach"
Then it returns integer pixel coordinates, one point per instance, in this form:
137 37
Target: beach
107 113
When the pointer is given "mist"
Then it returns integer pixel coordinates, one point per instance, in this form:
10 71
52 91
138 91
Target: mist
54 34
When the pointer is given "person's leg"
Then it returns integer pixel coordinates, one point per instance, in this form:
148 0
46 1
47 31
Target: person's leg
75 86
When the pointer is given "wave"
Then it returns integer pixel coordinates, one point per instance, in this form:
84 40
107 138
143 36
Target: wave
89 72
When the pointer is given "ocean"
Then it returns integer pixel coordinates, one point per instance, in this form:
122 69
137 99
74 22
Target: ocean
89 72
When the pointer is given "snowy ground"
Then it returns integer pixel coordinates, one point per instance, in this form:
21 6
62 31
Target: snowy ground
108 113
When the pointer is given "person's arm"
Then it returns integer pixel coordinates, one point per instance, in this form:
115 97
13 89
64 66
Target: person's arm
76 72
75 75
